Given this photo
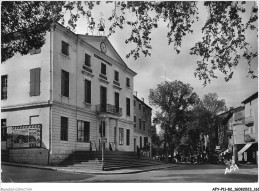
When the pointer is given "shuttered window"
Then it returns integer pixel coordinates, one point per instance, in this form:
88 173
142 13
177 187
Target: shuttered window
64 129
87 91
3 87
121 136
35 81
65 83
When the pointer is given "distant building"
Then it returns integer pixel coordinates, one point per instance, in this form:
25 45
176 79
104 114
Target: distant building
142 125
238 131
250 151
65 97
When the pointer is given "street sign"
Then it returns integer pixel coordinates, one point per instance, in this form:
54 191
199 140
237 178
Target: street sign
103 140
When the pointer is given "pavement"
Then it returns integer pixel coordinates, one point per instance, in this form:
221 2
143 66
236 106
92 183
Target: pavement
81 170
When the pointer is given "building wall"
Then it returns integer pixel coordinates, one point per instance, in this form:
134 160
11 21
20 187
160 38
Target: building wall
18 71
251 109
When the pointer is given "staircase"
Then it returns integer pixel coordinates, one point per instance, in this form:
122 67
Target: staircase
113 160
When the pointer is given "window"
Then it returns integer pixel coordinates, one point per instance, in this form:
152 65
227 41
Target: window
128 106
35 80
87 91
102 129
65 48
134 102
103 69
121 136
64 129
140 123
141 142
145 141
140 106
127 137
134 121
87 60
143 108
116 78
144 125
3 87
83 131
3 130
117 101
64 83
127 82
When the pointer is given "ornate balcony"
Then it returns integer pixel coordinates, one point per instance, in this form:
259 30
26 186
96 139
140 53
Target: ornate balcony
111 109
249 120
87 68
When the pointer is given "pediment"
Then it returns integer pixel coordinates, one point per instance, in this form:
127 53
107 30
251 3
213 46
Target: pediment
95 42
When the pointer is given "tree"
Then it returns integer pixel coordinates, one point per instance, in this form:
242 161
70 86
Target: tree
173 99
156 142
223 44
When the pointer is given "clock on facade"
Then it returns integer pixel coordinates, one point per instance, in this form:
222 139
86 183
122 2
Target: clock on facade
103 47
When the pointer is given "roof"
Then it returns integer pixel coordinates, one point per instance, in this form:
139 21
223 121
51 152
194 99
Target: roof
142 102
250 98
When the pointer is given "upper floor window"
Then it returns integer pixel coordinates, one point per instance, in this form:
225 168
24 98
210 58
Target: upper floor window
127 82
128 106
87 60
103 69
140 123
64 83
144 125
116 78
3 87
65 48
140 106
87 91
134 121
143 108
35 80
83 131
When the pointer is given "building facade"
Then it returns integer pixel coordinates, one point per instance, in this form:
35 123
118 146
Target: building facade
72 93
142 126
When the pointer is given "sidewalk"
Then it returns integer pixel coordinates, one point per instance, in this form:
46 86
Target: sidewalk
80 170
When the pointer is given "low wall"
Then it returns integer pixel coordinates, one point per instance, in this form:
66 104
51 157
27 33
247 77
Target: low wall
29 156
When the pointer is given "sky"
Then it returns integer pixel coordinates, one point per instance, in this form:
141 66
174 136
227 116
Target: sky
165 64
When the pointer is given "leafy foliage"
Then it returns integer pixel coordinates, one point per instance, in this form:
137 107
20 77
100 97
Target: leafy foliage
223 45
174 100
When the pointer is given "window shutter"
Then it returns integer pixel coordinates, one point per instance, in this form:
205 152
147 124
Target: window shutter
37 81
32 82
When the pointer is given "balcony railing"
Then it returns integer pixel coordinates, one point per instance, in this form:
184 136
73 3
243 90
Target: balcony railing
249 120
87 68
109 109
103 76
116 83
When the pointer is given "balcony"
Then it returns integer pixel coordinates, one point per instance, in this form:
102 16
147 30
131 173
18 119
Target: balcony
249 121
87 68
103 76
116 83
110 109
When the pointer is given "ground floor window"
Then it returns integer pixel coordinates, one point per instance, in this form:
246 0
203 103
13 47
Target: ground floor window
128 137
3 130
83 131
121 136
64 129
141 142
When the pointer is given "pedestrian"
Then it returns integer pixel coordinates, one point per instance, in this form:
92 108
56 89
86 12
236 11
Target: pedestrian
138 152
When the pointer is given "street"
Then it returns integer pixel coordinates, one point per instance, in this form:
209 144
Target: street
180 174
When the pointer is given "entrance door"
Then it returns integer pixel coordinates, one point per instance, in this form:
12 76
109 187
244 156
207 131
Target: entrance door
134 144
103 98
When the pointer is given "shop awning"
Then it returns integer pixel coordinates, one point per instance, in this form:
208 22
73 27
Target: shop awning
245 148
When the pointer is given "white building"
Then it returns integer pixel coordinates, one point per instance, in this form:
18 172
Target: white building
74 86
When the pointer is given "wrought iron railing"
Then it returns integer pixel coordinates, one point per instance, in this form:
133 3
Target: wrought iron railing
109 109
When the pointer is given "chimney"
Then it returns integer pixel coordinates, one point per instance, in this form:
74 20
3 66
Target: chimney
135 93
142 99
